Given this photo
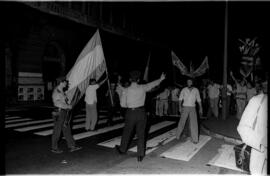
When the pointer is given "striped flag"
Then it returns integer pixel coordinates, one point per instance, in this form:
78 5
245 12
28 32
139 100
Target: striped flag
145 76
90 64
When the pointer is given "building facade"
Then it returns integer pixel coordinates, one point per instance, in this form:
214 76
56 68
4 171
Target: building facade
43 40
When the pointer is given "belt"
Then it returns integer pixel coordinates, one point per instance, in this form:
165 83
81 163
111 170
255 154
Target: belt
136 108
240 98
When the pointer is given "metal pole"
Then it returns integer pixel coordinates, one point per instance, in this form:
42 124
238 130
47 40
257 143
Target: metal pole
108 81
225 64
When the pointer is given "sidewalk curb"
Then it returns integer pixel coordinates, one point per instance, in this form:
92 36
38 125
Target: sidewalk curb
220 136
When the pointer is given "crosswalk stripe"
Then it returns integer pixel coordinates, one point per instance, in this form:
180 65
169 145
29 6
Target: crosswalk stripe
99 131
153 143
83 115
185 151
225 158
116 141
17 120
78 126
24 129
12 117
27 123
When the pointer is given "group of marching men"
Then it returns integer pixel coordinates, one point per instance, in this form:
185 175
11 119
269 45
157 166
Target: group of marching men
132 95
238 96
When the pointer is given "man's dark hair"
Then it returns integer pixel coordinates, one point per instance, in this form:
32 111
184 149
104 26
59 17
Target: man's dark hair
92 80
189 78
62 79
135 76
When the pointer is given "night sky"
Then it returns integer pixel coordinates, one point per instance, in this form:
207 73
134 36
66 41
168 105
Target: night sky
192 30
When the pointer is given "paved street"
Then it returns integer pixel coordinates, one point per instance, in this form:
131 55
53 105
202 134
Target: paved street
28 142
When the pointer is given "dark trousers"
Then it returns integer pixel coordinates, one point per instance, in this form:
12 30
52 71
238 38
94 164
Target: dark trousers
135 119
174 107
61 123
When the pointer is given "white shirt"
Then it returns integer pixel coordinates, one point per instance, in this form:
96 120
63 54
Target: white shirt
190 97
213 90
164 95
91 94
241 91
175 93
257 136
229 90
134 95
250 93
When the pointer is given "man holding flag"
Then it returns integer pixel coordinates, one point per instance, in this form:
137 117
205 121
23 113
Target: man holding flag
61 118
89 64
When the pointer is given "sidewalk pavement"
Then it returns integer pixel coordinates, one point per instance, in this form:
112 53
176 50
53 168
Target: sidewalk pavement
222 129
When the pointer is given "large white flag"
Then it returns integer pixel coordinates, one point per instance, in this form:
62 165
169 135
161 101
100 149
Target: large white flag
90 64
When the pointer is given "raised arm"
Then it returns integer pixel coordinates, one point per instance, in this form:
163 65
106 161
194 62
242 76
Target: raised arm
231 73
153 84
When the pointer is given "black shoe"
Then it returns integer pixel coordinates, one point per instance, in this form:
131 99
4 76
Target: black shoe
139 158
118 150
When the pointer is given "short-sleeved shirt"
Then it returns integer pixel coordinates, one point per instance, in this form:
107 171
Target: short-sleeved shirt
190 97
213 90
91 94
175 93
59 99
164 95
241 91
250 93
229 90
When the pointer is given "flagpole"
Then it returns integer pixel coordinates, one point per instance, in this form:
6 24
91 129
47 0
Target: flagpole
109 86
173 69
146 71
108 81
225 63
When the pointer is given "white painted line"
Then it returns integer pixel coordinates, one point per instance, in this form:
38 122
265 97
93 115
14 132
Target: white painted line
116 141
17 120
12 117
83 115
27 123
77 126
185 151
153 143
99 131
33 127
41 126
225 158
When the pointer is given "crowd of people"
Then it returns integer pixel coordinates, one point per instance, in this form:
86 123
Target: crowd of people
130 98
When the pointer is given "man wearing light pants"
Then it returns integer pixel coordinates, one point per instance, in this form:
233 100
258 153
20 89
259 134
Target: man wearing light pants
188 96
91 104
